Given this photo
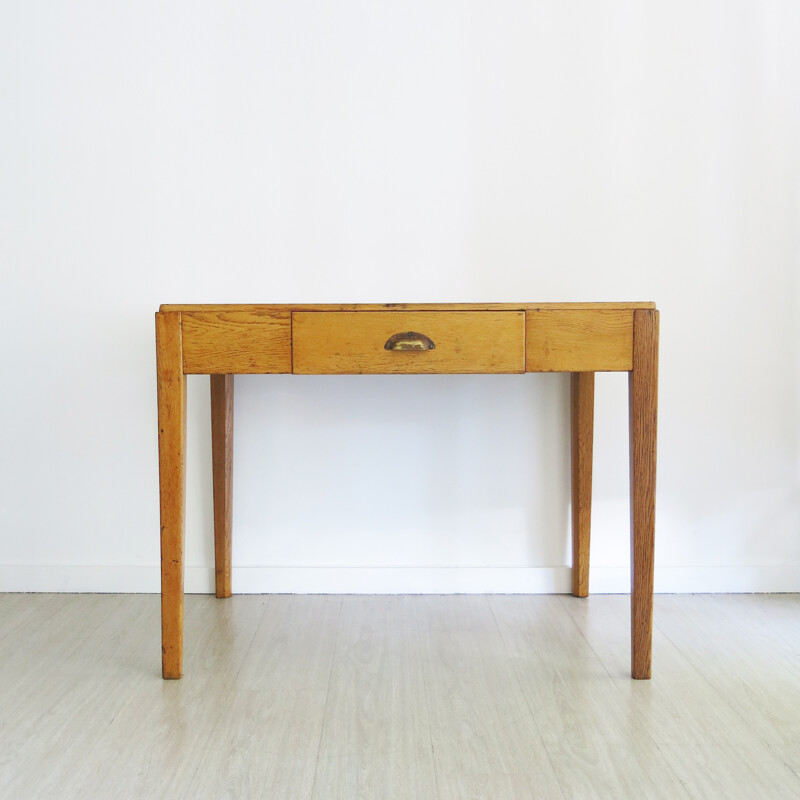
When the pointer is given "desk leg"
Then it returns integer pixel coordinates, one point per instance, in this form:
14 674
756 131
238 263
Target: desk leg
582 406
643 397
222 458
172 482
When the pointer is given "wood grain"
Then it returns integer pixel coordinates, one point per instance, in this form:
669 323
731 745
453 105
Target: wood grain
746 648
582 424
376 712
172 483
266 735
348 342
222 463
162 734
707 723
534 680
485 741
589 341
643 401
237 341
595 742
283 307
61 684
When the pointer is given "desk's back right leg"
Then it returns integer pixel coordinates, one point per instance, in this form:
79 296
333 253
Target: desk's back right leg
582 413
222 458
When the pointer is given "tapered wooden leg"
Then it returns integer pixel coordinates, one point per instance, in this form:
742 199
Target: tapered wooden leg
222 457
172 481
643 399
582 404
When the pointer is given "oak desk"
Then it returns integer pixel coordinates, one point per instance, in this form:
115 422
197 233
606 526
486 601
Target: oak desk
580 338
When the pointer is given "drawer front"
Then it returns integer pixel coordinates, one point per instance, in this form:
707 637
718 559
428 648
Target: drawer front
579 341
353 342
242 342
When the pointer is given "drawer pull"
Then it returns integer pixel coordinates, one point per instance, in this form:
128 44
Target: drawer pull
409 340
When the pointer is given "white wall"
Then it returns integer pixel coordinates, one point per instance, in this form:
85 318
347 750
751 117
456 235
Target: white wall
206 151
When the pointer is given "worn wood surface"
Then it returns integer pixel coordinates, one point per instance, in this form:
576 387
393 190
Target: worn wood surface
643 399
594 340
582 436
349 342
172 485
237 341
284 307
222 468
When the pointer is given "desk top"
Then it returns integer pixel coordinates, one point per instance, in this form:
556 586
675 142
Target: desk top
407 307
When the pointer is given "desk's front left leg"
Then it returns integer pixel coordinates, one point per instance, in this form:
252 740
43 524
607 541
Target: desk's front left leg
172 484
643 399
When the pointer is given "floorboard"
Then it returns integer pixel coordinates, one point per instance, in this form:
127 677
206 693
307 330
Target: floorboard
434 697
376 739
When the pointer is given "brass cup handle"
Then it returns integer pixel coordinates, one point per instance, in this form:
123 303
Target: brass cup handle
409 340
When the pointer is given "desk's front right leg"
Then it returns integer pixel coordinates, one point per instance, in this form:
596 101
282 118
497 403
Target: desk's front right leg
172 485
643 397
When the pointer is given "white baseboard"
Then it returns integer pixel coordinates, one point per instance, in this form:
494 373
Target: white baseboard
398 580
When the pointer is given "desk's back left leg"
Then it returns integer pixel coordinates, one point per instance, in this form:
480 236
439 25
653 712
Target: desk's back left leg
172 484
222 458
582 407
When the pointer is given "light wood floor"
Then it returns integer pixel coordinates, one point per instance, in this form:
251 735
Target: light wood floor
432 697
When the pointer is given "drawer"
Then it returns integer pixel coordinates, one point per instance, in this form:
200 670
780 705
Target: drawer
355 342
242 342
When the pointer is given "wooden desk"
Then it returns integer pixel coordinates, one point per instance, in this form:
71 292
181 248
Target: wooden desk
580 338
